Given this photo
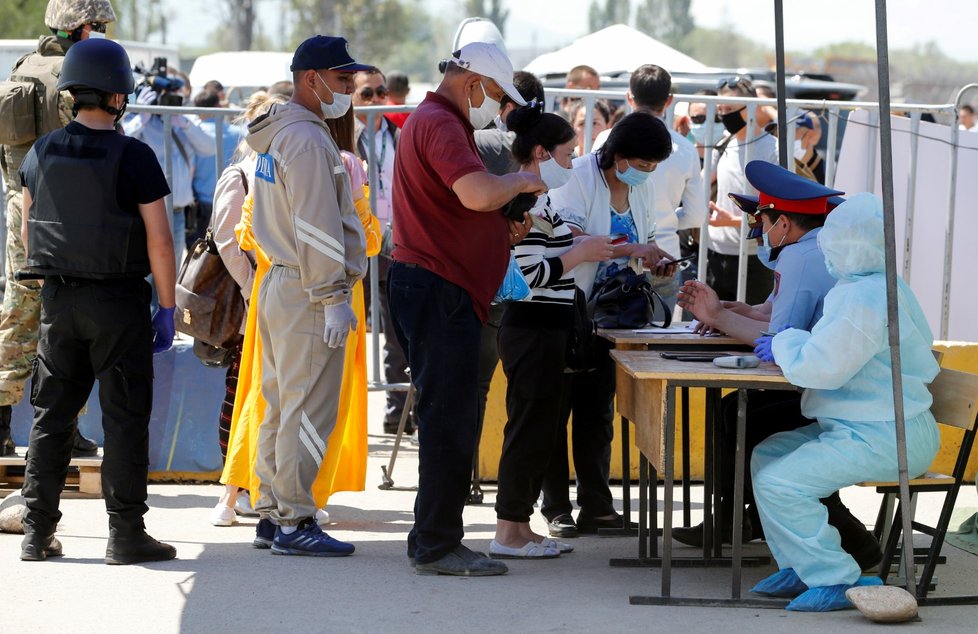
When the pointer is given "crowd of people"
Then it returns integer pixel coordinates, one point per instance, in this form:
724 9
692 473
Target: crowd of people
291 216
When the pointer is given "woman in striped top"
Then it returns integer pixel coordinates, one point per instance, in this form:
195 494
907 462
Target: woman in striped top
533 336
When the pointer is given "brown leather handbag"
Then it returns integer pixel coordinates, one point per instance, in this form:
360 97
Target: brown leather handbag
209 303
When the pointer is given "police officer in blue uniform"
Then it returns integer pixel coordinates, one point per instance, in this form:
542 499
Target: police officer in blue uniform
95 226
786 216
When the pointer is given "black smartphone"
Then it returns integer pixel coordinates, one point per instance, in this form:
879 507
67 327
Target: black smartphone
521 204
679 260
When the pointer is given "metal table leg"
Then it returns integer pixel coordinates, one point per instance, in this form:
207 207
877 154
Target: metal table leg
669 431
738 502
684 415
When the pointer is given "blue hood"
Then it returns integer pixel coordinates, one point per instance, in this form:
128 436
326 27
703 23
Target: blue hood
852 238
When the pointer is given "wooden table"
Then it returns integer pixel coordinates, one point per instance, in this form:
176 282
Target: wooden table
661 339
644 387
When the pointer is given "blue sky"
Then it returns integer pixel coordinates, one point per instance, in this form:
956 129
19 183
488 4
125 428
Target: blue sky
549 24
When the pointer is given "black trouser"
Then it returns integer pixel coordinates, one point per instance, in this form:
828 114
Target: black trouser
395 361
721 276
488 360
532 346
439 330
92 330
591 398
198 218
768 412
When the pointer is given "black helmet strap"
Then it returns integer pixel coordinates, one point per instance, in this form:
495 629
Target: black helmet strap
90 97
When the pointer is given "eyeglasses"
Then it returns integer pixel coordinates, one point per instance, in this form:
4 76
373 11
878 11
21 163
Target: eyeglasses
734 82
368 93
701 118
99 27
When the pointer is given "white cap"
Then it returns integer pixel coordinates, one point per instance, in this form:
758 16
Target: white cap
483 58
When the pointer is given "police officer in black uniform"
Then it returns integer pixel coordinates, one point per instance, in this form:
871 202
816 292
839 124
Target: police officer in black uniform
95 227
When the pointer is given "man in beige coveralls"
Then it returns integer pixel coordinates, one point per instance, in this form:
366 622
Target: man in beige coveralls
305 222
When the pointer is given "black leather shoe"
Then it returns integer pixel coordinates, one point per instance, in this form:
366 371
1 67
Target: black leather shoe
136 549
82 447
7 446
693 535
563 526
587 525
38 548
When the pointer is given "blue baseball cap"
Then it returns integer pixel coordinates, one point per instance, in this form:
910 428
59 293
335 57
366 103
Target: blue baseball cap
783 191
324 52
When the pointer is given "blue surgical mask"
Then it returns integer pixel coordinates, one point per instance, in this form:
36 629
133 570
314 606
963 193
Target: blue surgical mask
631 176
764 255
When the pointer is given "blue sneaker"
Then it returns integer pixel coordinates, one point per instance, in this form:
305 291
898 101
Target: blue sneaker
309 540
264 534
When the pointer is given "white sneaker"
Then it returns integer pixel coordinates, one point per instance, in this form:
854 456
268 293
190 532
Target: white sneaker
242 506
222 515
322 517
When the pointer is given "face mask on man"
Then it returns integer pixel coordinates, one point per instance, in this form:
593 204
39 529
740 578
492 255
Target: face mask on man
554 174
483 115
500 124
698 130
341 102
733 122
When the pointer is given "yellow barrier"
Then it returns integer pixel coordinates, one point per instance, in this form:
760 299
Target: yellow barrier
957 355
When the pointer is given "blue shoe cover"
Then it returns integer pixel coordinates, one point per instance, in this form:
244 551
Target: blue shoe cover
828 598
784 583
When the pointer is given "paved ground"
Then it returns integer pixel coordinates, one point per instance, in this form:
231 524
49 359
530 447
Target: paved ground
220 584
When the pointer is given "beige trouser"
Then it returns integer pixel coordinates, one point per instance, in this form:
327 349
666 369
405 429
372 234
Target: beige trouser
301 382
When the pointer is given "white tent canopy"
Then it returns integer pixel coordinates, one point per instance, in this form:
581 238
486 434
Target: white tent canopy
241 69
614 49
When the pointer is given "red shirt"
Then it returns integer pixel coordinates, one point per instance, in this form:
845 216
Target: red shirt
398 118
431 226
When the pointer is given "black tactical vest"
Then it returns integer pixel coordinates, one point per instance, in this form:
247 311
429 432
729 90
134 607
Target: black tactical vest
76 226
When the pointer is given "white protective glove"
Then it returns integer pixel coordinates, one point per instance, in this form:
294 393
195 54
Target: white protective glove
340 318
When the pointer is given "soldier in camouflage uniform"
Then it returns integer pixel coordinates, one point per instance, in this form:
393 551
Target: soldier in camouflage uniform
35 75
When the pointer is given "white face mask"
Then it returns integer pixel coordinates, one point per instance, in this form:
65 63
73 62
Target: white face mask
500 124
95 35
554 174
481 117
799 150
341 102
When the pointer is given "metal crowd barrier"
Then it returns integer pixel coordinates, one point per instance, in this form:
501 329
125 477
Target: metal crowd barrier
830 111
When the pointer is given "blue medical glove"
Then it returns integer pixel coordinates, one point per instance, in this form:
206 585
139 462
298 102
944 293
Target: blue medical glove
340 318
163 329
784 583
762 348
828 598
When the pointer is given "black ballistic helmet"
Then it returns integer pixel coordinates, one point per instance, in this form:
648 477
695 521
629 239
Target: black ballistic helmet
99 64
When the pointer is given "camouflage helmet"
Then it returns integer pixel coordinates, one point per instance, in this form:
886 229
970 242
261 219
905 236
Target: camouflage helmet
68 15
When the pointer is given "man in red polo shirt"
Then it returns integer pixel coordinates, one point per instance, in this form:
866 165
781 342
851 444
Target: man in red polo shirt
451 248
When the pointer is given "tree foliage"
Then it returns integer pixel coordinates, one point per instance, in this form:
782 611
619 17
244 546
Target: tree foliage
22 20
668 21
138 20
611 13
492 9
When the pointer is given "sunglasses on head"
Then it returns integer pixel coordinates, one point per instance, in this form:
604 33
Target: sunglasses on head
368 93
735 82
701 118
98 27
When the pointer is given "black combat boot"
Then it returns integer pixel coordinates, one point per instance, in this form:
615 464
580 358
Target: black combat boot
38 547
82 447
7 446
137 548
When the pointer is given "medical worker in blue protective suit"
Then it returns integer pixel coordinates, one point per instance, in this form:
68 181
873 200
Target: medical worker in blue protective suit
844 366
787 215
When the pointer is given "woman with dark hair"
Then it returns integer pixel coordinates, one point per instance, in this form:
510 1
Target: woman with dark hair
533 336
603 198
601 121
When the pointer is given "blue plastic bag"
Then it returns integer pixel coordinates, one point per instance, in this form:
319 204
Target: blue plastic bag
829 598
514 286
